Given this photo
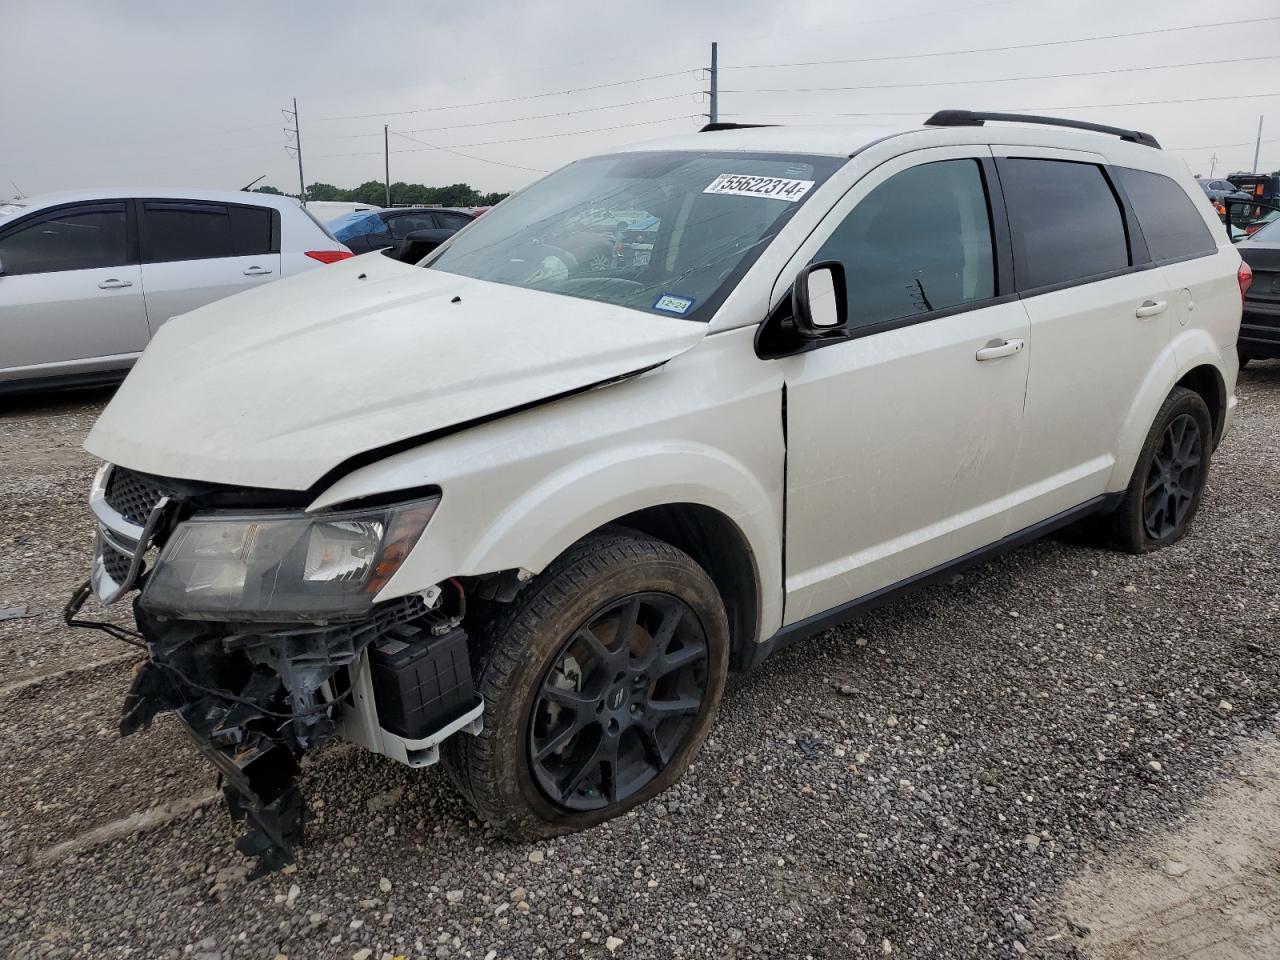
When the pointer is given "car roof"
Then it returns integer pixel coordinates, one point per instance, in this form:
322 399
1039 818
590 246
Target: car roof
389 210
847 140
158 193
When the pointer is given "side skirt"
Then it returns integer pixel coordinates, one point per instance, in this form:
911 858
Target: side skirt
819 622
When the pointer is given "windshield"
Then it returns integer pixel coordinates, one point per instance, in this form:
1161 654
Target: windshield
667 233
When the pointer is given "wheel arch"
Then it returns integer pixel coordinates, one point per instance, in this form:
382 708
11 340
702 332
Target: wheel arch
720 547
1206 380
1189 362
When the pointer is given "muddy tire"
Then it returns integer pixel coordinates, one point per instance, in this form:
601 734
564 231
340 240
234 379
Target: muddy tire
601 680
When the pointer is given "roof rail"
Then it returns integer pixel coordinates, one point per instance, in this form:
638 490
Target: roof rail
713 127
970 118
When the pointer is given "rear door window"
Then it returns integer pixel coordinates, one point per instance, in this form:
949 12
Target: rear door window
406 223
1170 223
1065 221
78 238
178 230
917 243
452 221
251 234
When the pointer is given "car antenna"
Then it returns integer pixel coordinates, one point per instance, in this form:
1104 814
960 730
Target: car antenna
247 186
19 195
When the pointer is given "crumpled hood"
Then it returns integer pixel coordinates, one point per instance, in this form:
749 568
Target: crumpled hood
276 386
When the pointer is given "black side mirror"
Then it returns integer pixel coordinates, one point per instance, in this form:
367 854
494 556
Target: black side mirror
1243 218
818 302
419 243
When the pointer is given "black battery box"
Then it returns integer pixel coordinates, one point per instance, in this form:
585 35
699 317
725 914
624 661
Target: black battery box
421 682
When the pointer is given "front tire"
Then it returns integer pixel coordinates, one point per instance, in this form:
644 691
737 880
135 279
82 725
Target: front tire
601 681
1168 480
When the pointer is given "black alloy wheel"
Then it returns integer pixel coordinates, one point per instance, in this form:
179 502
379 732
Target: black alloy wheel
601 680
618 701
1173 479
1168 481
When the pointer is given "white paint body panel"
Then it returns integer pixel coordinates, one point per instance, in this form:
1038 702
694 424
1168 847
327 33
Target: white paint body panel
903 451
276 387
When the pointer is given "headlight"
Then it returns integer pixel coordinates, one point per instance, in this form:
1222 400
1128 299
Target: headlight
283 566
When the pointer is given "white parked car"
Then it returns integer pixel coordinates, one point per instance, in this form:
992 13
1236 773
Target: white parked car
532 510
86 278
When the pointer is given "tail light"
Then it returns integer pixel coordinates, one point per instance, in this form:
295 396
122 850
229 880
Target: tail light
1244 276
329 256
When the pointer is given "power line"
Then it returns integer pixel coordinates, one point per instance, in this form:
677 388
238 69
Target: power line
432 146
573 133
1069 106
530 96
1042 76
1214 146
536 116
1015 46
488 143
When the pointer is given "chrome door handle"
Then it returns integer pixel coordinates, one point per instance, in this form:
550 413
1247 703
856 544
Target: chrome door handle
256 271
114 284
999 348
1151 308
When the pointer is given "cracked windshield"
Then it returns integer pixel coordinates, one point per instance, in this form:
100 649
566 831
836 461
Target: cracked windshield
663 232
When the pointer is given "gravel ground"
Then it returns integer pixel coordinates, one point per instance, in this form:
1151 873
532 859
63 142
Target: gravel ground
922 782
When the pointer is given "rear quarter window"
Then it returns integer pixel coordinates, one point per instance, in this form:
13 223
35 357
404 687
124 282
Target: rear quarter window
1170 223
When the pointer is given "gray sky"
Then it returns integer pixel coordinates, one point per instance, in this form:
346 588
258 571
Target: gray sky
108 92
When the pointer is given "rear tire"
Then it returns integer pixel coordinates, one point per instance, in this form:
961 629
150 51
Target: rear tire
601 680
1168 480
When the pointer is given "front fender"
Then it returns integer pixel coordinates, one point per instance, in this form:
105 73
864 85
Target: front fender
706 430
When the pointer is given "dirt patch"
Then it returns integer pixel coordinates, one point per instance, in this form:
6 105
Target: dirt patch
1209 890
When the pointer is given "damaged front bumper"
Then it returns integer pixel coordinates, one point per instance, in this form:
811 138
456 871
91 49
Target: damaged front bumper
255 697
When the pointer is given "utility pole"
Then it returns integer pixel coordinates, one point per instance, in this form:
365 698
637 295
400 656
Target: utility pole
1257 145
296 132
714 93
1213 163
386 156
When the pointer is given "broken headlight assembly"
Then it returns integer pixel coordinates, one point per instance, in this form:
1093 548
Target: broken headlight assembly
283 566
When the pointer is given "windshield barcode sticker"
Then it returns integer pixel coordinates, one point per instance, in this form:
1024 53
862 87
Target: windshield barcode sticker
673 304
744 185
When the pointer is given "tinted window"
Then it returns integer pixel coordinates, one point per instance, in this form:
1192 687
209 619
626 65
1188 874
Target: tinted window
78 239
921 241
250 231
453 221
1170 223
185 231
406 223
1065 221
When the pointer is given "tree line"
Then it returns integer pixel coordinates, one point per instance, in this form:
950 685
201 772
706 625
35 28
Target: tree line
374 193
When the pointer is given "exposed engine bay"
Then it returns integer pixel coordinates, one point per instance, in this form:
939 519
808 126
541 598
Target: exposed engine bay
255 696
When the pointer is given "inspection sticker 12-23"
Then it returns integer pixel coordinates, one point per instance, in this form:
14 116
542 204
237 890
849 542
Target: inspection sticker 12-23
745 185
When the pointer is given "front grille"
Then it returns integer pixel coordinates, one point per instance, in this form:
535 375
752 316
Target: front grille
116 563
132 495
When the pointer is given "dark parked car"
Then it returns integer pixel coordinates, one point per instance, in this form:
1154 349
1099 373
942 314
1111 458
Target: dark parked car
1219 190
1260 325
368 230
1265 187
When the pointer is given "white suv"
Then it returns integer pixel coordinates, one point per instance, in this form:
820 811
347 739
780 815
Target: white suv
533 507
87 277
